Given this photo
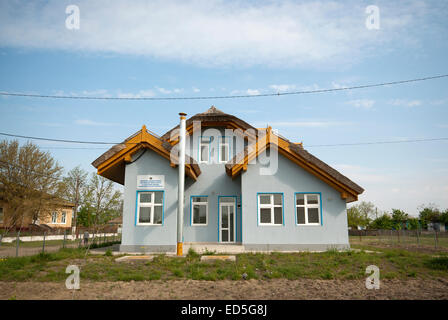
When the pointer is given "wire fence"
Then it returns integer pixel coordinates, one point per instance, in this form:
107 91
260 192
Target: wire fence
17 243
418 238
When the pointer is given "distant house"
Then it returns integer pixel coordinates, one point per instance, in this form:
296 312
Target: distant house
245 186
60 217
436 226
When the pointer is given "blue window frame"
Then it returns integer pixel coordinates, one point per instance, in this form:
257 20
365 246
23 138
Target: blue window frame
308 208
270 211
204 149
224 149
226 199
199 210
149 207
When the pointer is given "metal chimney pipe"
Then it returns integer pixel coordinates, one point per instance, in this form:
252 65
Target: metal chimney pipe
180 197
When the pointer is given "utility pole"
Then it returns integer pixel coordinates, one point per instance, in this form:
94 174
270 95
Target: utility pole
181 181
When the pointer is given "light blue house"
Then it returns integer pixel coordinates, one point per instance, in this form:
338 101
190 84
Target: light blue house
244 186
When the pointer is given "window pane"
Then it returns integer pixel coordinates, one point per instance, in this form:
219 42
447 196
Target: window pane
278 216
300 215
145 197
300 199
204 153
265 199
225 217
311 199
313 215
277 199
265 215
145 215
225 235
158 197
199 213
158 214
224 153
199 199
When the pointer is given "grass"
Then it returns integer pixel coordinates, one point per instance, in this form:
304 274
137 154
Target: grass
394 263
37 244
425 240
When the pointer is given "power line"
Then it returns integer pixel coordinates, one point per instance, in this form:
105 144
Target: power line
30 95
377 142
310 146
56 140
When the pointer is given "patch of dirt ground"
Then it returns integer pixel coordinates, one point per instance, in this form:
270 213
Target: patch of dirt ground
280 289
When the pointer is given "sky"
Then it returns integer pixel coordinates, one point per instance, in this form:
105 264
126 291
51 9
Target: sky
214 48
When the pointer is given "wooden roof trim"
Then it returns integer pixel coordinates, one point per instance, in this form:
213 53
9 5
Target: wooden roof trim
283 146
143 139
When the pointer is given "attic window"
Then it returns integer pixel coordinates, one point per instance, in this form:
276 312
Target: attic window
224 149
204 149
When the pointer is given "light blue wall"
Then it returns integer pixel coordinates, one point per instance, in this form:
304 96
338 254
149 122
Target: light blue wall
289 179
149 163
214 182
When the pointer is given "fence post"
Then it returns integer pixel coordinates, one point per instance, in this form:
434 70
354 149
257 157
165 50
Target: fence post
418 237
17 244
43 244
1 238
65 235
435 239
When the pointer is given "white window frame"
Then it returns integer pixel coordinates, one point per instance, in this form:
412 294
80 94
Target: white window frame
203 143
306 206
64 217
200 203
227 144
53 215
271 206
150 205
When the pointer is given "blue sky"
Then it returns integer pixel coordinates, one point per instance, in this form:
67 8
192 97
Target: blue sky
203 48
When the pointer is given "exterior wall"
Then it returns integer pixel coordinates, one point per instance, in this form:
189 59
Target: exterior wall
42 220
289 179
68 218
149 238
213 183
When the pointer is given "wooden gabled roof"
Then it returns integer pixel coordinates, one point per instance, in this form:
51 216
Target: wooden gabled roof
296 153
111 164
213 117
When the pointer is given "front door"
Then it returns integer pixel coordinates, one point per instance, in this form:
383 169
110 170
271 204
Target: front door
227 210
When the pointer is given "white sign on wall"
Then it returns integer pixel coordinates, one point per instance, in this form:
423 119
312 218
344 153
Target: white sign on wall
150 182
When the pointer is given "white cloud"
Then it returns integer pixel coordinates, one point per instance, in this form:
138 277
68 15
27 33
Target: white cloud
405 103
253 92
196 90
140 94
215 33
362 103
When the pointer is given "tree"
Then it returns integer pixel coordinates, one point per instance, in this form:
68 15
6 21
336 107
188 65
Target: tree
399 218
360 214
384 222
74 183
29 183
355 218
102 202
429 213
